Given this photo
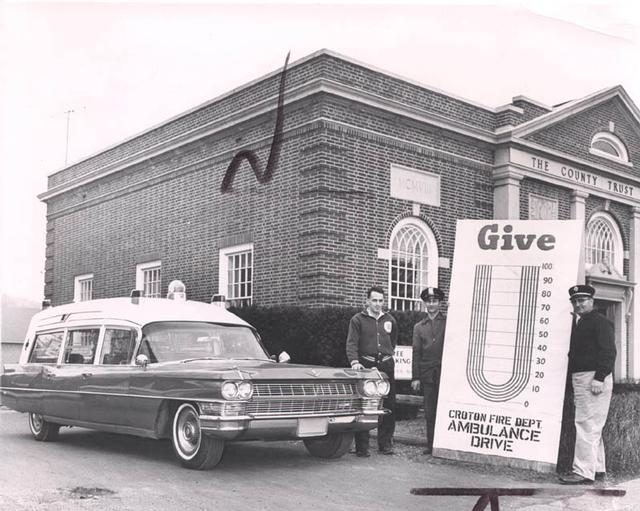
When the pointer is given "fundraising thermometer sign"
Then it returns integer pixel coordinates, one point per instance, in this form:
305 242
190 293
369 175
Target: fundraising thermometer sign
507 338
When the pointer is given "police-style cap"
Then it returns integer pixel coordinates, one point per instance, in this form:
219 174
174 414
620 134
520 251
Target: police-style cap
431 292
581 290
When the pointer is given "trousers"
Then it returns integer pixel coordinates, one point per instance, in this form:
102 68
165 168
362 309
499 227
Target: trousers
590 416
386 423
430 391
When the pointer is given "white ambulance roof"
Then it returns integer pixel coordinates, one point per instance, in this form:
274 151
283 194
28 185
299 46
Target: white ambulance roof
148 310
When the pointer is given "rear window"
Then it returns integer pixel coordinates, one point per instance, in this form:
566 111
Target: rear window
46 348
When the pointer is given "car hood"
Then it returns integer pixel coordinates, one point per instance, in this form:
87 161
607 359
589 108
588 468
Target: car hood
256 370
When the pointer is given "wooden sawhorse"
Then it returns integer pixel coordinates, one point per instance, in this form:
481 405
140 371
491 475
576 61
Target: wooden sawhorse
490 495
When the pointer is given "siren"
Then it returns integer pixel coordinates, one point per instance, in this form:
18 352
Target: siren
135 296
177 291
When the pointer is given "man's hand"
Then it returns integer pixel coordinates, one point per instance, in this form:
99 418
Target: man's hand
596 387
357 366
415 385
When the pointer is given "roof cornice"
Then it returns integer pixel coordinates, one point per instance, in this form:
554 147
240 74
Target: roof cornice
299 93
575 107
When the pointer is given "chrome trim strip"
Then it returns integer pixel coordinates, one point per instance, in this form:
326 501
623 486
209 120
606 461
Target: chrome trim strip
113 394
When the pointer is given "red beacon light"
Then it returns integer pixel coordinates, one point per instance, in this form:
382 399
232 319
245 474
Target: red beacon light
177 291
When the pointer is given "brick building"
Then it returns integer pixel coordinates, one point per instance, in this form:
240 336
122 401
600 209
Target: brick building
373 170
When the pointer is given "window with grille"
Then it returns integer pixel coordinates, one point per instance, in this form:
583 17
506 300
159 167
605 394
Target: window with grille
149 279
603 242
236 274
609 146
413 264
83 288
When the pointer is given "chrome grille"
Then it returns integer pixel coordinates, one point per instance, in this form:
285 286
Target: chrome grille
303 389
292 407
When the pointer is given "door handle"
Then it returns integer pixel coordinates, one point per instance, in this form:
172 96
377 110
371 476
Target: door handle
49 375
86 375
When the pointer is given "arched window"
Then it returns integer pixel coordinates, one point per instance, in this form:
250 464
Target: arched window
413 264
603 242
609 146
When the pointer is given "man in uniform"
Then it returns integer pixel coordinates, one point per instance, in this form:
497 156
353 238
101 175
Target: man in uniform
371 341
428 342
592 354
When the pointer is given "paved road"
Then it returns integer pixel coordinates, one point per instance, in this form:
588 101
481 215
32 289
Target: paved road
90 470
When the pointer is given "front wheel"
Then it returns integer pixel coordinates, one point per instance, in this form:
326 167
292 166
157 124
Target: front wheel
42 430
194 449
330 446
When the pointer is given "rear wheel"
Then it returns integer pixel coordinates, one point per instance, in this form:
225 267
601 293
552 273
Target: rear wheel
42 430
194 449
330 446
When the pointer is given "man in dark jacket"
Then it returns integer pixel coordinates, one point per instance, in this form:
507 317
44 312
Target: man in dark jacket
428 343
371 341
592 354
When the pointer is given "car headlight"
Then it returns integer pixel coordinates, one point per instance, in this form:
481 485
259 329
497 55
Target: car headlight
383 387
229 390
245 389
370 388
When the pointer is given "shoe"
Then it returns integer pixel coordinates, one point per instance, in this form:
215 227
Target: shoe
428 450
386 450
574 479
601 476
363 454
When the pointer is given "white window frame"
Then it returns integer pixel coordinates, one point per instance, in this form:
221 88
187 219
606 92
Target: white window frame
141 269
78 282
223 270
618 247
432 259
616 143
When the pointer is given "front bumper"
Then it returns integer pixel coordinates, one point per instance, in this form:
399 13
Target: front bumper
283 428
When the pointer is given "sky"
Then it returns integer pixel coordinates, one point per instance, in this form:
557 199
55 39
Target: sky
76 78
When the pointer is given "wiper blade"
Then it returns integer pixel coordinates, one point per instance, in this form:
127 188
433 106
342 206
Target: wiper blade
200 358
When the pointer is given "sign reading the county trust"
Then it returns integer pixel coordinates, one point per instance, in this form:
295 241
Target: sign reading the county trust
574 174
415 185
506 343
403 356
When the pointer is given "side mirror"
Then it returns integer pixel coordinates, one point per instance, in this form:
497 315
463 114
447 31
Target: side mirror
142 360
284 357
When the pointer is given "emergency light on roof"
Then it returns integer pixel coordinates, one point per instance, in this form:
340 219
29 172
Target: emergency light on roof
135 296
176 291
219 301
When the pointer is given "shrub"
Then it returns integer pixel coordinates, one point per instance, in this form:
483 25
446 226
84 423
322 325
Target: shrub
314 336
621 434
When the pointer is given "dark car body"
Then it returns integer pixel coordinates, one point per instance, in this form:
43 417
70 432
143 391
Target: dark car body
184 370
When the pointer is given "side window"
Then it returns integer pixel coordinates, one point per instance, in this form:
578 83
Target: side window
118 346
46 348
81 346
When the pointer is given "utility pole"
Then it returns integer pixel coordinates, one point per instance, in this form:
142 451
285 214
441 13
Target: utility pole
66 150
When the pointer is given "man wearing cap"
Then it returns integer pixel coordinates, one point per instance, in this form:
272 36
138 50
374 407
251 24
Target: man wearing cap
428 342
371 342
592 353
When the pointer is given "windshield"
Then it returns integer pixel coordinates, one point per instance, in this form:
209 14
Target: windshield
183 340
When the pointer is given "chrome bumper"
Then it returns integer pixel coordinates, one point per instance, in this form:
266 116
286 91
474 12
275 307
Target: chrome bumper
278 427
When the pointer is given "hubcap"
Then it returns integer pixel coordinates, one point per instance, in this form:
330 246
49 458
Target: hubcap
36 422
188 432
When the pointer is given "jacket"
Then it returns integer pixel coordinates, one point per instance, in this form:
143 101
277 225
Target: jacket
369 336
428 343
593 345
